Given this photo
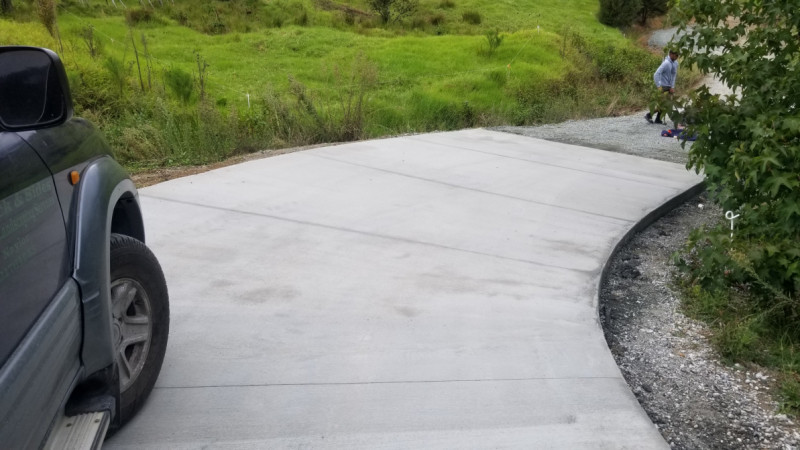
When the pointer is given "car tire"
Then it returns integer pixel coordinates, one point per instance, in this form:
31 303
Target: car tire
140 322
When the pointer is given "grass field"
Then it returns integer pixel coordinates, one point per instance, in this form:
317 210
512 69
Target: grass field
292 72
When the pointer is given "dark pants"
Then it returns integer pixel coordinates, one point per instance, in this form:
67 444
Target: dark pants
658 111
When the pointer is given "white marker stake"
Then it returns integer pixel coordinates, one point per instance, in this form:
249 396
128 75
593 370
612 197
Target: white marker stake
730 216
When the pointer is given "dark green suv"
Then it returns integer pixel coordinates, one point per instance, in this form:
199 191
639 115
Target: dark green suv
84 313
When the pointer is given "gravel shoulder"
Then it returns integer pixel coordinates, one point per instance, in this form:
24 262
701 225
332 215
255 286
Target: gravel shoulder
695 400
627 134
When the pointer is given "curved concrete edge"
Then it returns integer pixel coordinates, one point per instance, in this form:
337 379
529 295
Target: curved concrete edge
641 225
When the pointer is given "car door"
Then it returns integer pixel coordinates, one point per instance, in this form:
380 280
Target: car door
39 302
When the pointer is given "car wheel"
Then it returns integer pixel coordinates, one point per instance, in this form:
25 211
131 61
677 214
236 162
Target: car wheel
140 325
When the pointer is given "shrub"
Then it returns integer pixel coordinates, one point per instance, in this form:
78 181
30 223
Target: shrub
215 27
93 94
180 83
93 44
418 23
612 64
213 22
436 113
494 39
393 10
471 17
46 10
139 15
142 142
302 19
447 4
181 17
118 72
302 118
6 7
790 391
624 65
499 77
571 41
437 20
651 8
619 13
747 146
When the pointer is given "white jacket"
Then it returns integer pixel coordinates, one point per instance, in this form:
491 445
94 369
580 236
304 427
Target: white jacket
667 73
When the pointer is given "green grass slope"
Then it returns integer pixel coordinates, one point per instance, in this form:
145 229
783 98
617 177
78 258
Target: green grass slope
192 81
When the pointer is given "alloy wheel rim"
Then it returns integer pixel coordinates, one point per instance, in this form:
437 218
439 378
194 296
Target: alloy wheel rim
131 329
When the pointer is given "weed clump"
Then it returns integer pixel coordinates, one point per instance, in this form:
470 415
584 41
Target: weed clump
180 83
493 40
137 16
471 17
437 20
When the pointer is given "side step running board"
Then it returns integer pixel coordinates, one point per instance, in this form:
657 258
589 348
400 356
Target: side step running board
84 431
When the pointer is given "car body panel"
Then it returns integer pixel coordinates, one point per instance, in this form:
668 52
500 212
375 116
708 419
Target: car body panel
66 148
39 375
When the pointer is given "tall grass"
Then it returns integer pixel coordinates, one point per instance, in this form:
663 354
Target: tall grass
745 333
167 89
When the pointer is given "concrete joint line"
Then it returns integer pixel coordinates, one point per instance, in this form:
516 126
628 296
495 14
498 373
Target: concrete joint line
456 186
376 383
530 161
366 233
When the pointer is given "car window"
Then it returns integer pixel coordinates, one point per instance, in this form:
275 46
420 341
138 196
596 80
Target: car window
33 252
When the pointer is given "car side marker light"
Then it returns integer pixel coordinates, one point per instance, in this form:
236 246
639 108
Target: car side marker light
74 177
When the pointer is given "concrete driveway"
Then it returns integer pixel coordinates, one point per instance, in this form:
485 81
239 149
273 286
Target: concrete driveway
429 291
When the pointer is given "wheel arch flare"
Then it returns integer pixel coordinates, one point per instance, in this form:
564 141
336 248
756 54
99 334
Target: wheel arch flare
106 202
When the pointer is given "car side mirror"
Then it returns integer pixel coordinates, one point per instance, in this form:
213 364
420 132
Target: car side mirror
34 91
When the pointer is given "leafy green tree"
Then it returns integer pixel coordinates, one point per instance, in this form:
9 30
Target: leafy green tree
748 144
393 10
619 13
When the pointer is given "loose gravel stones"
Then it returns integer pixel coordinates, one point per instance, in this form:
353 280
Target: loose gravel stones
628 134
696 401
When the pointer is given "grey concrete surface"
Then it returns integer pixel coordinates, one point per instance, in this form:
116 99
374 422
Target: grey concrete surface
430 291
